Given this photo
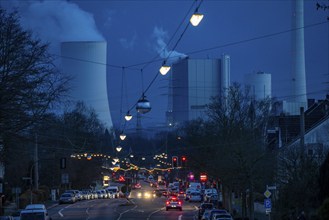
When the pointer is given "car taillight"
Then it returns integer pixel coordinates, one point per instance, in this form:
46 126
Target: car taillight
167 203
179 203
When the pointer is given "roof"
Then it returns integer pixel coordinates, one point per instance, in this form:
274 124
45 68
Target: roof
36 206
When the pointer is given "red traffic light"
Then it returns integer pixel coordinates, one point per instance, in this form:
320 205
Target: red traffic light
174 161
203 177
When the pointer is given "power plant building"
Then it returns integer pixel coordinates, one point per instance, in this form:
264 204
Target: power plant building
85 62
194 82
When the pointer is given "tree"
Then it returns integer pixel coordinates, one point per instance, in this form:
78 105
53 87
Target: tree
230 145
297 176
30 84
324 179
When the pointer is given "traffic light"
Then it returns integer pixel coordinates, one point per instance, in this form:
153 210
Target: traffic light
174 161
183 159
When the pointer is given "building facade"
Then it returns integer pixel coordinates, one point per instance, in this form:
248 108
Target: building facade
194 82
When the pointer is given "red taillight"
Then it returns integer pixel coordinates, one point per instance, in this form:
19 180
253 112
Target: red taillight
167 203
179 203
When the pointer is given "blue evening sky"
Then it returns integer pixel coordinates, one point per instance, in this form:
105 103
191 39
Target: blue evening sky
136 31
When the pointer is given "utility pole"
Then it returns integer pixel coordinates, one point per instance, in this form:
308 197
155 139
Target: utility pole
36 164
302 130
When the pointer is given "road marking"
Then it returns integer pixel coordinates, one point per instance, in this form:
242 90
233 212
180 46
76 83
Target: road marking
180 217
125 212
60 211
149 216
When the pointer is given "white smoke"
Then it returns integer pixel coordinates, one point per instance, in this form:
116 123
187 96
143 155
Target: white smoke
57 21
161 46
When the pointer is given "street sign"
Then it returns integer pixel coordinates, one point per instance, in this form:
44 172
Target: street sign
267 193
267 203
268 211
271 187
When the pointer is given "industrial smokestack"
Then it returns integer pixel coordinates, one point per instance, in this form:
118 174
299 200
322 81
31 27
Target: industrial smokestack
299 96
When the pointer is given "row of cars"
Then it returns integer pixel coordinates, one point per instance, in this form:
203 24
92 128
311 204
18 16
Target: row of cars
72 196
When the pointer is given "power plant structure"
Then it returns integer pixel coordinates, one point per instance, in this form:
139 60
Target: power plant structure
193 83
260 85
85 62
298 94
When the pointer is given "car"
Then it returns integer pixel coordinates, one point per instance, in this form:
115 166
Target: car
36 206
159 192
174 203
195 197
222 216
100 194
206 214
189 191
217 211
86 195
39 214
181 195
67 198
115 191
203 207
76 194
137 186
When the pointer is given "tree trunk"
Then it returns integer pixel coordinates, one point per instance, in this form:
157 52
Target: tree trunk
251 202
243 204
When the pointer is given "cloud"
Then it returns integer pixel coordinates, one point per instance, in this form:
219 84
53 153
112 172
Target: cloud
57 21
161 46
128 44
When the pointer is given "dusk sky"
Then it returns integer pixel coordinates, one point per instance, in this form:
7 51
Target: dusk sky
256 34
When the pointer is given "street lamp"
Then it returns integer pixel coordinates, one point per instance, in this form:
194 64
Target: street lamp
164 69
118 148
196 18
128 116
123 136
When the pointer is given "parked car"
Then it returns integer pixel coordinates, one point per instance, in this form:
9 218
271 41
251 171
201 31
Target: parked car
67 198
115 190
100 194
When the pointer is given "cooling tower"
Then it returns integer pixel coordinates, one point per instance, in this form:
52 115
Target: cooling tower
85 62
298 55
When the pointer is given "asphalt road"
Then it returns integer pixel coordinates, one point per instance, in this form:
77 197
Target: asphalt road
142 205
